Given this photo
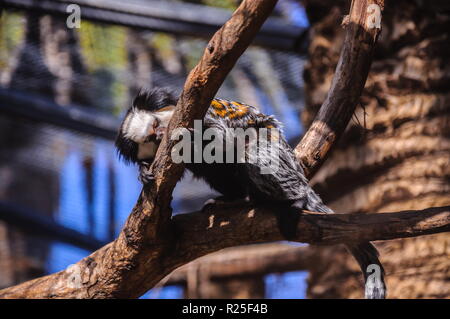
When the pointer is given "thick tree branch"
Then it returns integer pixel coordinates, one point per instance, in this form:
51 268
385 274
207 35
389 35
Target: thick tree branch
231 227
269 258
263 259
199 234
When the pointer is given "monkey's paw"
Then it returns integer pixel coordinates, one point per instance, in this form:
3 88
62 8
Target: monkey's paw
146 178
145 174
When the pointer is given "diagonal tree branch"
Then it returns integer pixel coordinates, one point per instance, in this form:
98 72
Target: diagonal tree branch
346 87
202 84
151 245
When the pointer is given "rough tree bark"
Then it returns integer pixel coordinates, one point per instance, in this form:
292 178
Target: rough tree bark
401 160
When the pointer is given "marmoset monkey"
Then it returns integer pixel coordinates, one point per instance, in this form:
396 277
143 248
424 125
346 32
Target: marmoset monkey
286 188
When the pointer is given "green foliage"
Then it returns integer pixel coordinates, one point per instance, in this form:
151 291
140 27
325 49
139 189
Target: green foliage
12 34
227 4
104 52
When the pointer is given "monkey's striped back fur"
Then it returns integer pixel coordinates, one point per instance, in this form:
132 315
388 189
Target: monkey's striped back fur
286 188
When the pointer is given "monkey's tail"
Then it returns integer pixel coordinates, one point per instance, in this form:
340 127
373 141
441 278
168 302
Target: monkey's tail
367 257
365 254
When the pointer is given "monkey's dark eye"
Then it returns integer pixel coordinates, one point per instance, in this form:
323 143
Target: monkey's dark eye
151 138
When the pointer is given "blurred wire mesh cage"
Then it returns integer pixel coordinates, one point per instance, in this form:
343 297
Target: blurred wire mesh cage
63 90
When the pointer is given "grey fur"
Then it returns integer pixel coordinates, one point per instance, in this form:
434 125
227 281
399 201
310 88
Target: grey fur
287 188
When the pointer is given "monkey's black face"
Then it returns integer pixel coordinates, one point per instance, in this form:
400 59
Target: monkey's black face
145 124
